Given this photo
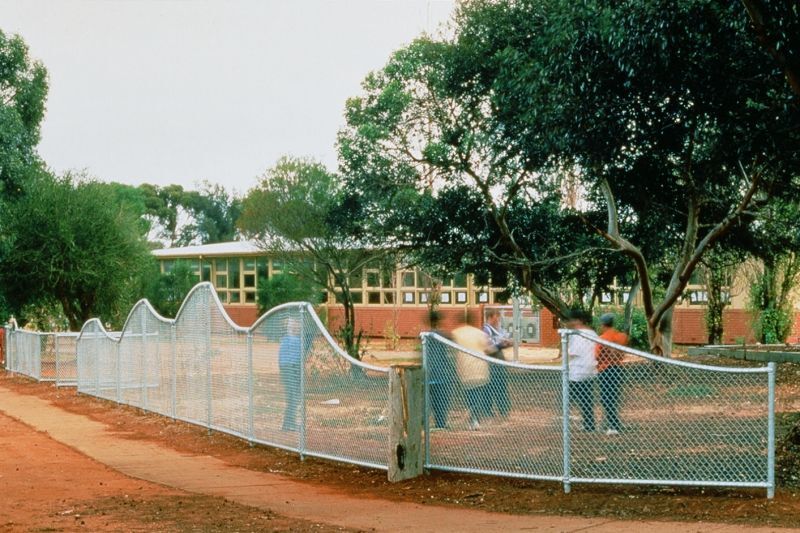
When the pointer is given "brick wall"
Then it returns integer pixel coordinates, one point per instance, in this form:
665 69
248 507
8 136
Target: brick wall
243 315
688 324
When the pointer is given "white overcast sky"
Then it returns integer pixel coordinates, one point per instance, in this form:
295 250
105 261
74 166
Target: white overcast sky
179 91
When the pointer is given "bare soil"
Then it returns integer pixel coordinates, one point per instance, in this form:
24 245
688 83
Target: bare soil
57 489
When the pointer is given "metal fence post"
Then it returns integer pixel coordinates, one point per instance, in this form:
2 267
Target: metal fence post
303 354
58 362
250 406
209 377
118 348
426 424
565 407
174 351
771 432
144 358
96 350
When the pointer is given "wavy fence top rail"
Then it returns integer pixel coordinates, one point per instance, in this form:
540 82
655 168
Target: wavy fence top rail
206 292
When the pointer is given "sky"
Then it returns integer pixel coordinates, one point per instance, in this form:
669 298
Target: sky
181 91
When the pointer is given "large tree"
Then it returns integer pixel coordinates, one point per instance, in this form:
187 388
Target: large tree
74 243
23 91
300 213
676 126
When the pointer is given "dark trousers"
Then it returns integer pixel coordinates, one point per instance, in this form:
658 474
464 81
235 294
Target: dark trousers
610 381
476 402
582 393
439 394
497 391
290 379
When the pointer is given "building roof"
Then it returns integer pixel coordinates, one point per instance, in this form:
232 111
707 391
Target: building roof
207 250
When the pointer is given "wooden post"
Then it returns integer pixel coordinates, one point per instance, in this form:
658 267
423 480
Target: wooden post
406 405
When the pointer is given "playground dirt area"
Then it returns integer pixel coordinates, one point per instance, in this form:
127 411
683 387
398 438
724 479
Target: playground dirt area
47 486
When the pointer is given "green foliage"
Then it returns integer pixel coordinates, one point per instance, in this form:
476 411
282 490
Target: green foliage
300 212
637 334
284 288
44 315
774 242
210 213
72 242
169 289
23 91
774 316
624 108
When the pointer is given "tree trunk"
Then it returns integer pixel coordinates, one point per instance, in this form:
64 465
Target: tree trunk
627 322
660 335
716 275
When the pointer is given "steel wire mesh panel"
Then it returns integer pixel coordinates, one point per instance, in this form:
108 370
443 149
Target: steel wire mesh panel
346 404
229 380
192 357
66 349
89 345
508 423
277 359
657 420
24 356
157 340
47 357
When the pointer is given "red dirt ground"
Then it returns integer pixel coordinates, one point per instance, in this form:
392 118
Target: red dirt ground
49 487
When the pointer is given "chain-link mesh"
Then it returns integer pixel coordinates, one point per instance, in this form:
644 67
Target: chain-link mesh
42 356
634 418
24 354
282 382
659 420
65 347
507 424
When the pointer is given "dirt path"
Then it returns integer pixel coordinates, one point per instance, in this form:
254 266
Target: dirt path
275 502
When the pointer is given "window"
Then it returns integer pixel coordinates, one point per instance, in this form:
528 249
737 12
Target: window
698 297
409 279
222 281
444 297
606 298
249 281
356 279
168 265
388 297
205 271
250 297
262 272
424 297
408 297
461 297
234 297
374 297
460 281
233 274
221 265
482 297
373 278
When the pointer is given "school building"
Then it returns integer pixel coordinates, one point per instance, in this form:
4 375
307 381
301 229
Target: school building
396 303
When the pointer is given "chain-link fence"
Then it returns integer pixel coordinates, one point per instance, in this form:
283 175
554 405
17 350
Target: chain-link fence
631 417
605 414
282 382
42 356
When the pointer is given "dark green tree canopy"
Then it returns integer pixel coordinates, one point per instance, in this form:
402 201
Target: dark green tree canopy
670 122
23 91
72 241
